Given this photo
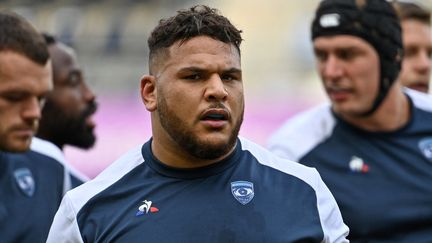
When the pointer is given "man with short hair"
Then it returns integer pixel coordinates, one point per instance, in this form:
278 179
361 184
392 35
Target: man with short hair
67 113
31 184
195 180
373 144
417 40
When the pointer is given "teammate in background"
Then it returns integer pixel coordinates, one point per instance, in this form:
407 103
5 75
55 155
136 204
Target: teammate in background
195 180
417 40
31 184
67 114
373 144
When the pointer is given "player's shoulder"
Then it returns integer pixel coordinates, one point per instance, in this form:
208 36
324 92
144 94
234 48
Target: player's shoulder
38 161
420 100
300 133
42 169
318 118
293 168
47 149
124 164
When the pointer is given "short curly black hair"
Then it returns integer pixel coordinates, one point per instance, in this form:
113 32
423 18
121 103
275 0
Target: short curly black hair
18 35
199 20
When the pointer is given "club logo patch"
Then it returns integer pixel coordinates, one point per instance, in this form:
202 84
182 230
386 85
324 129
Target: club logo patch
243 191
425 146
25 181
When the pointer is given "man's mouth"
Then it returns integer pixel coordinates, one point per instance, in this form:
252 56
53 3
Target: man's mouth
338 94
215 117
23 131
420 86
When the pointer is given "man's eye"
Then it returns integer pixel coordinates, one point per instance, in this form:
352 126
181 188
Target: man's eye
193 77
14 97
346 55
320 56
410 52
228 77
74 79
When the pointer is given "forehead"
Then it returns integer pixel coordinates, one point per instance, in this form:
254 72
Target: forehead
19 72
415 27
62 55
341 42
203 51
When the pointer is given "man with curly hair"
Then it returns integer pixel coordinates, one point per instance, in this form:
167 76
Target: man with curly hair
195 180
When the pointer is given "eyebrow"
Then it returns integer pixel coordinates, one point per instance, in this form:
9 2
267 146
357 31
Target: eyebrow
198 69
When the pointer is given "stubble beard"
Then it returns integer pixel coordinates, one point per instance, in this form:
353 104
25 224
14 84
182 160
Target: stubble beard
64 128
178 130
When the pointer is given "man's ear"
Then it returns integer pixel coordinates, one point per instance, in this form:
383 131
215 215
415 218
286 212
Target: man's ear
149 92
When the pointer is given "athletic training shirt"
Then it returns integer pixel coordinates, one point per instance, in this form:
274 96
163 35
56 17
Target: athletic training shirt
49 149
31 189
251 196
382 181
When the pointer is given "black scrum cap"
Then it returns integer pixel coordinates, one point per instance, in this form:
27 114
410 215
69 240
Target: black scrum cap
376 22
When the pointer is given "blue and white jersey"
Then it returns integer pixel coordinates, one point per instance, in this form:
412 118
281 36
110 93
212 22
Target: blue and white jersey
382 181
251 196
49 149
31 188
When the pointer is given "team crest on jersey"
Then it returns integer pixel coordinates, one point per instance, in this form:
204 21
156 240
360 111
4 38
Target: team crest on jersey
146 208
425 146
243 191
25 181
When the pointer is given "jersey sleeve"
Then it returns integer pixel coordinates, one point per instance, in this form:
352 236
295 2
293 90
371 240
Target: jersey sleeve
64 228
334 228
67 183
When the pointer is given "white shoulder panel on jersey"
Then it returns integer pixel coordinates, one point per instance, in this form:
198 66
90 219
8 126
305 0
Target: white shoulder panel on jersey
106 178
331 219
65 223
421 100
303 132
47 148
50 150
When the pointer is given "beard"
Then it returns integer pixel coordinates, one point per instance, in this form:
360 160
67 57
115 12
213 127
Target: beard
61 127
178 130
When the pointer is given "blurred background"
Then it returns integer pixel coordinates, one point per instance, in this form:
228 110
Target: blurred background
110 37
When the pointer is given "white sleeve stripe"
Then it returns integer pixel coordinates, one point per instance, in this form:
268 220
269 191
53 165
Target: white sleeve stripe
107 177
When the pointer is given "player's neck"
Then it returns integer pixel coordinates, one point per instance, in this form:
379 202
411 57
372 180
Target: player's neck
393 113
173 155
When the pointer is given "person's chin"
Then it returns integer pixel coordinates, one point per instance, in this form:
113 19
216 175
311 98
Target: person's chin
216 137
19 146
343 109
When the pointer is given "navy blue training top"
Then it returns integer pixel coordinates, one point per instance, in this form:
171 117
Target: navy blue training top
31 189
382 181
49 149
251 196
